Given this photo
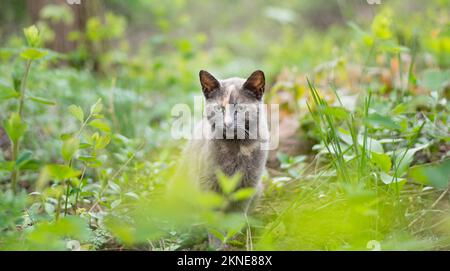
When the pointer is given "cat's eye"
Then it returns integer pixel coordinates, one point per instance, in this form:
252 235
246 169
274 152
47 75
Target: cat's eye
218 108
240 108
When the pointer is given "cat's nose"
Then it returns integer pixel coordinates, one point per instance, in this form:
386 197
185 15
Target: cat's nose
228 121
228 118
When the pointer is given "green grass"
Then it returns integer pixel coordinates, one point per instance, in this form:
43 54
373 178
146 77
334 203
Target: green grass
92 161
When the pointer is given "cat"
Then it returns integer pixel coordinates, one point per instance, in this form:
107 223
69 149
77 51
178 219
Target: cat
230 138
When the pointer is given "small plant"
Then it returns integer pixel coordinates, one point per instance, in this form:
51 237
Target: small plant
15 125
82 145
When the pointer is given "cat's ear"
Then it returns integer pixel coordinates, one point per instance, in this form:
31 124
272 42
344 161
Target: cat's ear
256 83
208 82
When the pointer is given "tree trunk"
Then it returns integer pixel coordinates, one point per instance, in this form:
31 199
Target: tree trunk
81 13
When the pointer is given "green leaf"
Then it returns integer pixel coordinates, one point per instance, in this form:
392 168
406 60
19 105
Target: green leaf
228 184
283 157
31 164
132 195
211 200
70 147
376 120
121 229
101 125
32 36
77 112
33 53
23 158
391 180
14 127
66 136
382 160
217 234
42 100
62 172
243 194
437 175
7 92
54 235
381 26
435 80
7 165
84 145
372 145
115 203
400 109
91 161
338 112
403 159
102 142
97 107
86 158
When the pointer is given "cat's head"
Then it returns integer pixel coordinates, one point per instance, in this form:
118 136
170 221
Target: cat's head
233 105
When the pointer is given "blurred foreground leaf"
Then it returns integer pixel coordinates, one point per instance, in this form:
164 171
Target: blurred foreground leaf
437 175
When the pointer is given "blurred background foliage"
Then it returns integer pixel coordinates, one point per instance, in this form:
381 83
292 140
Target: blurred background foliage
92 174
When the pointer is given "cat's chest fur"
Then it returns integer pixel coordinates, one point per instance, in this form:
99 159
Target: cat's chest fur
208 156
232 157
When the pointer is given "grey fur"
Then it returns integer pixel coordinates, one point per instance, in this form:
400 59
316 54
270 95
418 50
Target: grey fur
208 154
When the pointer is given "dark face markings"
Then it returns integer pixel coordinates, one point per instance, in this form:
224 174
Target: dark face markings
232 112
